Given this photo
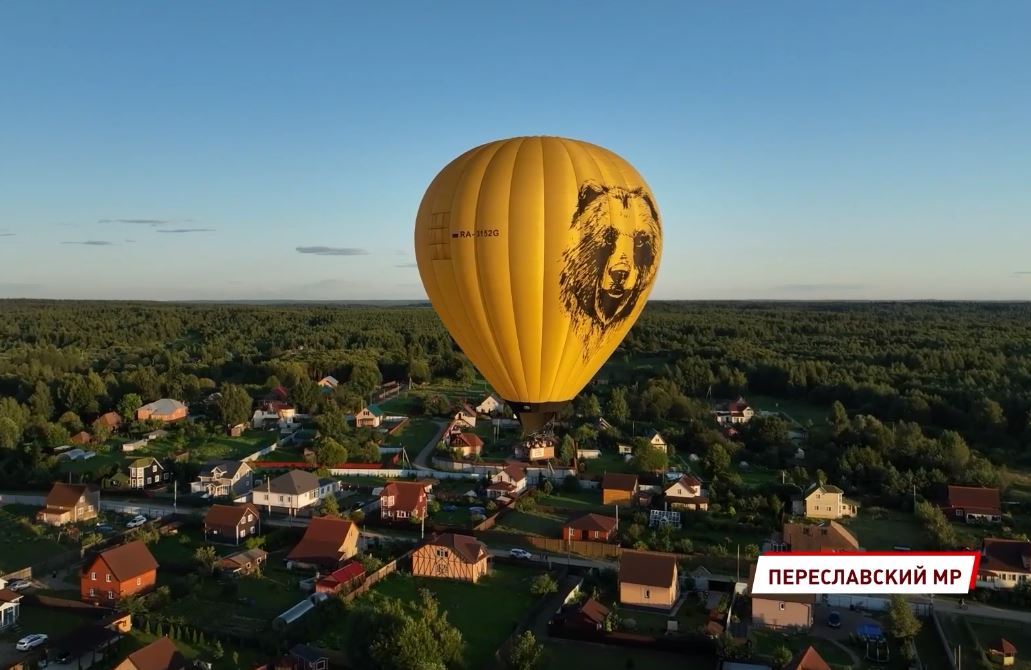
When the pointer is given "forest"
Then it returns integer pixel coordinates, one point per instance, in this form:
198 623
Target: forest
905 394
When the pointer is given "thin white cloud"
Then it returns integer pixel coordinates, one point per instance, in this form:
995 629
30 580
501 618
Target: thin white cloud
332 251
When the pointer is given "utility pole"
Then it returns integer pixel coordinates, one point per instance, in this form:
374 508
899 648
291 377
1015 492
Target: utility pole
175 496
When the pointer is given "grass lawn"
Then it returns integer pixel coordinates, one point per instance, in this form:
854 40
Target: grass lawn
566 654
988 630
929 647
414 436
21 546
756 475
363 480
582 501
536 523
459 518
767 641
608 462
99 463
486 612
247 658
957 633
879 529
799 410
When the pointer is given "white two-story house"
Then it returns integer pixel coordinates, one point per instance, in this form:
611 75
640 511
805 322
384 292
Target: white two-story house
294 491
223 478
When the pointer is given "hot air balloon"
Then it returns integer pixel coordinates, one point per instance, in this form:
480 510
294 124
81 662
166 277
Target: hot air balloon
538 254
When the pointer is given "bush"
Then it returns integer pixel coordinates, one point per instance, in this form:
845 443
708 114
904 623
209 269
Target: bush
543 584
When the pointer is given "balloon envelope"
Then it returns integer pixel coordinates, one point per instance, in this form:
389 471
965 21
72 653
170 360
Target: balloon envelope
538 254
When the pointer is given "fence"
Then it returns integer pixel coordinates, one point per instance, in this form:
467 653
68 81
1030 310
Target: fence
448 465
371 580
579 547
267 450
949 654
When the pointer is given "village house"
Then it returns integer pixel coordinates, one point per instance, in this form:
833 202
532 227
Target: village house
125 570
236 430
824 501
274 412
161 654
590 527
465 445
536 448
625 450
733 412
451 556
166 410
146 472
489 405
1001 651
686 494
618 488
826 537
70 503
328 541
344 578
648 579
246 562
293 492
328 383
781 611
223 478
231 523
368 417
508 482
81 438
972 504
465 417
587 617
403 500
111 420
807 659
1004 563
10 606
656 441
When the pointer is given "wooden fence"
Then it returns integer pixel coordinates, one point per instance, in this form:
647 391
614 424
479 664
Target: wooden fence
370 581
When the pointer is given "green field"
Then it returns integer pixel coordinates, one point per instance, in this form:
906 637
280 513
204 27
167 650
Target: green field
582 501
767 641
799 410
988 630
881 529
532 523
567 654
22 546
960 634
486 612
414 436
608 462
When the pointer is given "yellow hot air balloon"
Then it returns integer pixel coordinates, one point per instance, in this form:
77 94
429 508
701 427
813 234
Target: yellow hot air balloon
538 253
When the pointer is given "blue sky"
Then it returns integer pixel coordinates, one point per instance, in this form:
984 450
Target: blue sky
797 149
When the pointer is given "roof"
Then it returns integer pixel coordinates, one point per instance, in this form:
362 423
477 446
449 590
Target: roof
247 556
373 410
352 570
65 495
128 560
804 598
82 437
407 495
466 547
974 498
592 521
231 468
822 488
1003 645
145 462
516 473
687 481
9 596
468 409
468 439
164 406
228 515
809 659
1005 555
110 419
619 481
160 654
329 380
307 653
831 536
86 638
594 611
323 540
647 568
294 482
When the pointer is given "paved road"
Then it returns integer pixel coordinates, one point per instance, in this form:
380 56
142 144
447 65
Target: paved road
950 606
421 460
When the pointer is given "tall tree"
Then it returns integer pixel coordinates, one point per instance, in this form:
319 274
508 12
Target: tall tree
42 401
365 377
329 452
902 623
526 653
234 405
128 405
618 407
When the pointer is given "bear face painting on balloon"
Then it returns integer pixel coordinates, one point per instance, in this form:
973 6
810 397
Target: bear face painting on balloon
611 260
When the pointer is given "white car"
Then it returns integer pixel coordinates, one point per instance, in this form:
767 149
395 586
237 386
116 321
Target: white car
137 520
19 585
31 642
520 553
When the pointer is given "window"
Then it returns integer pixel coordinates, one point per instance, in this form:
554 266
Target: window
93 576
441 552
107 577
148 480
647 594
250 517
92 592
252 530
243 532
110 595
401 514
281 498
782 607
139 581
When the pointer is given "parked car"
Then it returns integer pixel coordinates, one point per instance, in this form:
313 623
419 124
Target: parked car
31 642
19 585
136 521
834 620
520 553
358 505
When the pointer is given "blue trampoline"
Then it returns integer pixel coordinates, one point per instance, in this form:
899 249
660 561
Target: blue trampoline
870 631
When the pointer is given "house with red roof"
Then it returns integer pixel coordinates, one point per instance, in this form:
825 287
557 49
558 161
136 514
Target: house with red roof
399 501
116 573
972 504
508 482
686 494
465 444
328 541
808 659
590 527
346 577
1004 563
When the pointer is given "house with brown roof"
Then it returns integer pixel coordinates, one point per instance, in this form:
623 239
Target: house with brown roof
972 504
648 579
165 409
112 420
586 617
1001 651
824 501
451 556
81 438
808 659
231 523
508 482
686 494
618 488
343 578
161 654
1004 563
10 606
69 503
657 441
825 537
403 501
590 527
465 416
328 541
465 444
245 562
116 573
